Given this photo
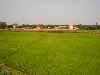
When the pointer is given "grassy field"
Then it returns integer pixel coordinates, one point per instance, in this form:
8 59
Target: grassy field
42 53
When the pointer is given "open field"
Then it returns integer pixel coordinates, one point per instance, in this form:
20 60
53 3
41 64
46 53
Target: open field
43 53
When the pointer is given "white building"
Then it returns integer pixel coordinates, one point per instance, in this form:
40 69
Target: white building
71 27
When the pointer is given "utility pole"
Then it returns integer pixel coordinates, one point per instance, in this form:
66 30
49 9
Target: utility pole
96 23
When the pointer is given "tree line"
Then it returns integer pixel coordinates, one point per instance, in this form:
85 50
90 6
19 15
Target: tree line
3 25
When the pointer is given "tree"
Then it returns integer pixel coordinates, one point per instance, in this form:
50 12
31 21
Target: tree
3 25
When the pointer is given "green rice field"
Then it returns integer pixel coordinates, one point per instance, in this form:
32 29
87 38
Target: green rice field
43 53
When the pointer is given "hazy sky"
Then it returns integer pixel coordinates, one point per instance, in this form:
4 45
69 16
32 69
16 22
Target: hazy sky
50 11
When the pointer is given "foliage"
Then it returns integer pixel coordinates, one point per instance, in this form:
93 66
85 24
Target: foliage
3 25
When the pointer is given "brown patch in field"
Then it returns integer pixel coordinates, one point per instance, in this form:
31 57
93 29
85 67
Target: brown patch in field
1 65
10 71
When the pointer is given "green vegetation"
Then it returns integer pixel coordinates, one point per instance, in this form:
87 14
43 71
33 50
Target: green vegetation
42 53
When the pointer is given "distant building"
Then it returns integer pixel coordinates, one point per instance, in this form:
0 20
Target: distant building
40 27
14 27
71 27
